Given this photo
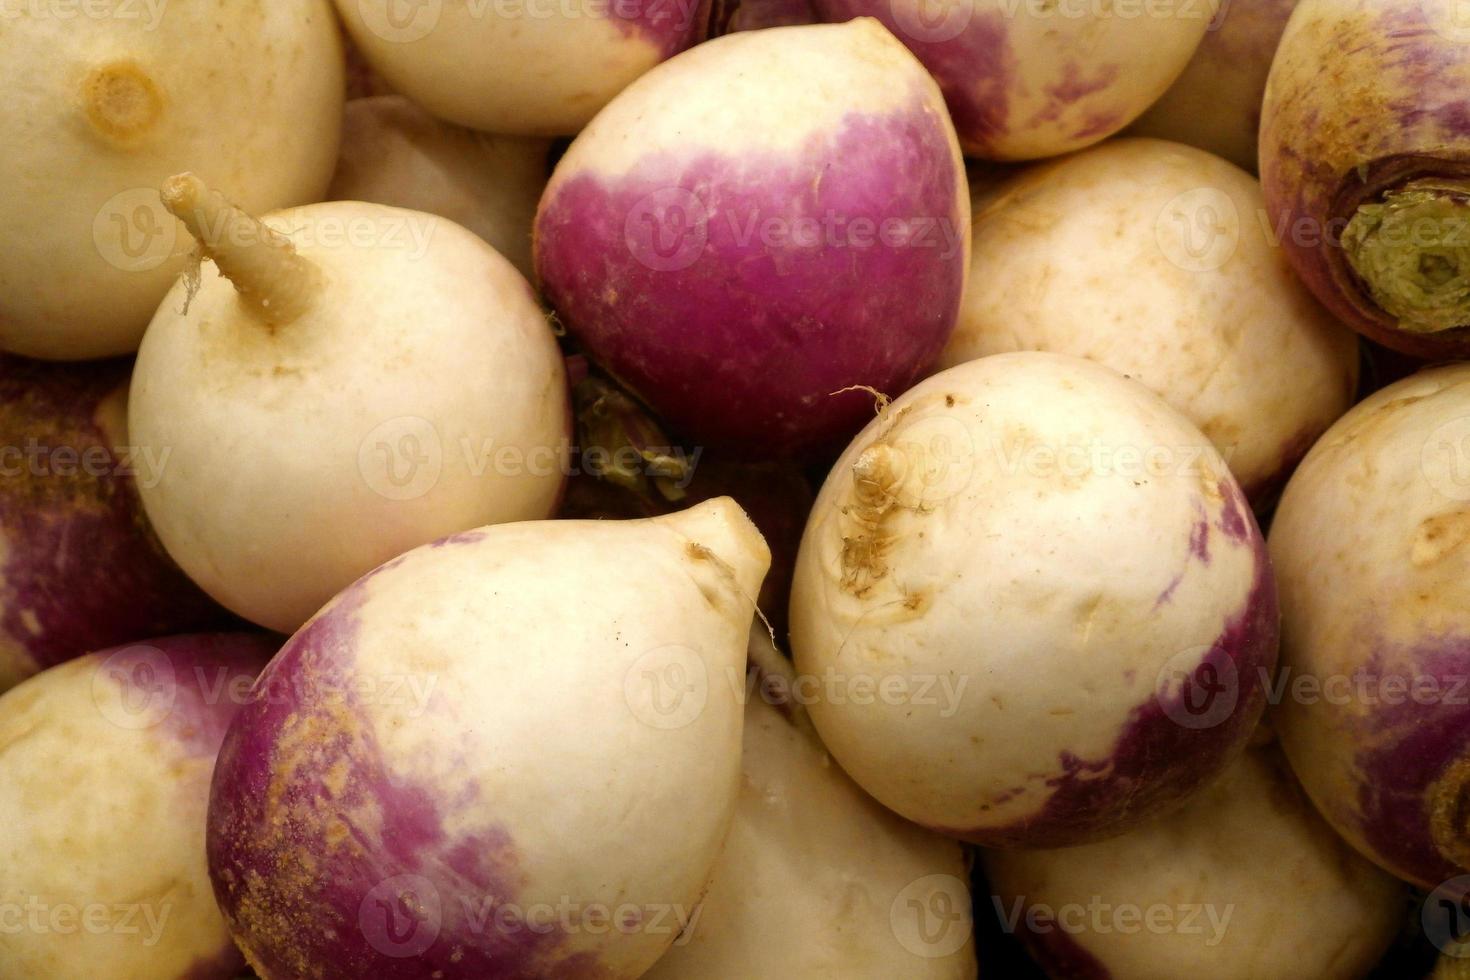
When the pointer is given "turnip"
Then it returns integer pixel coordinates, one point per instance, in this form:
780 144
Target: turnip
733 239
1245 882
1365 161
816 879
80 569
352 381
100 109
1146 256
1216 104
1369 544
528 67
395 153
1036 605
1034 78
105 764
512 753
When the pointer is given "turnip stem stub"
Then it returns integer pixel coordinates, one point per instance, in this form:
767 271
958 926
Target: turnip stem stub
271 278
1412 251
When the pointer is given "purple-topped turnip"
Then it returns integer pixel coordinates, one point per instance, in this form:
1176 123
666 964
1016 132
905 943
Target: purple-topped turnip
105 766
513 753
1365 160
1035 603
344 382
1146 256
80 568
1244 883
1035 78
1370 544
760 225
523 67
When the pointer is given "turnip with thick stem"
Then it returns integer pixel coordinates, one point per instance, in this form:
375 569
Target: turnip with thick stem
1216 104
100 109
1028 78
728 237
486 743
1038 602
1370 545
105 766
1146 256
353 381
80 569
1365 161
394 153
524 69
1245 882
803 835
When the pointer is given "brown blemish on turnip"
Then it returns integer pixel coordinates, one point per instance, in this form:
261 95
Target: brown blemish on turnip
1438 537
121 102
1449 813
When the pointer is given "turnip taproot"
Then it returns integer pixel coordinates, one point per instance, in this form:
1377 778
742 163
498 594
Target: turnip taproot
394 153
512 753
1216 104
1036 605
816 879
105 764
99 110
353 381
1370 546
1030 78
80 569
729 238
527 69
1365 161
1207 891
1146 256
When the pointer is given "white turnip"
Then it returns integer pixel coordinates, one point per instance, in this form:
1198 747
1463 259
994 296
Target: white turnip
99 110
1035 603
1146 256
348 381
729 237
511 753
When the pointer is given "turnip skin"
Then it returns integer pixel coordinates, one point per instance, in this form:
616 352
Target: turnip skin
741 342
105 764
1250 846
80 569
394 153
526 75
1062 596
271 515
1216 104
533 634
1101 255
1364 98
1368 544
98 107
803 834
1029 79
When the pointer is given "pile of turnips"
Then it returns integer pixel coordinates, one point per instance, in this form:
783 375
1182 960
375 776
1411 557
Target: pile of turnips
717 489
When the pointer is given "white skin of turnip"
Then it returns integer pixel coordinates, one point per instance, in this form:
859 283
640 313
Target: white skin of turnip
803 834
1246 881
100 110
385 381
1147 256
548 761
394 153
527 69
998 577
